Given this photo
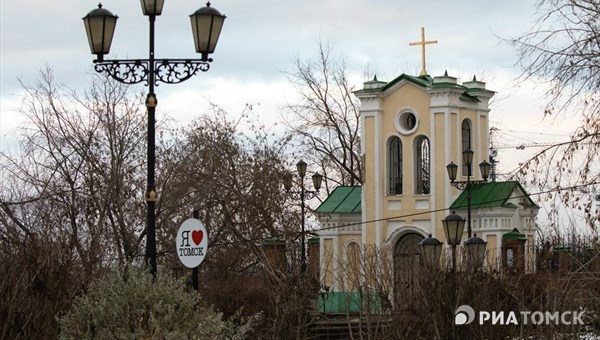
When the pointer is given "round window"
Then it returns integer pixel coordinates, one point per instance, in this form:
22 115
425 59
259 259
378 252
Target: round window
406 122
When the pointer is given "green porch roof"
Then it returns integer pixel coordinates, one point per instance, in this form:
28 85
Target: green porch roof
343 199
490 195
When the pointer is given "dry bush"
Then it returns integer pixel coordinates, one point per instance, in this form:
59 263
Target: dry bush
236 296
41 277
291 303
424 305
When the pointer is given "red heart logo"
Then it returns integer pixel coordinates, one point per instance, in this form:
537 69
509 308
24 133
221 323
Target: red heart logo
197 236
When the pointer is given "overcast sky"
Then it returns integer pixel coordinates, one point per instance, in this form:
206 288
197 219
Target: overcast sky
259 40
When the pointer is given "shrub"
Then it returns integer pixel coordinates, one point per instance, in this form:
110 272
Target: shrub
135 306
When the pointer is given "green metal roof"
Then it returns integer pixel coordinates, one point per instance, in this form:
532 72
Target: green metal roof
423 81
343 199
514 235
491 194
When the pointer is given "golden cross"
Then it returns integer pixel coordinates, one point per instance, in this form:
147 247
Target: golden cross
423 43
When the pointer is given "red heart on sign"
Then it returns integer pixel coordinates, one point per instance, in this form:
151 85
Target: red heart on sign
197 236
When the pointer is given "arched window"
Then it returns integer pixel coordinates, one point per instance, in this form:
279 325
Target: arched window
407 257
422 166
466 143
395 166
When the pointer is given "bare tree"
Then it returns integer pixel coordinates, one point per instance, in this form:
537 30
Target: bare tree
326 119
231 175
78 169
562 51
70 204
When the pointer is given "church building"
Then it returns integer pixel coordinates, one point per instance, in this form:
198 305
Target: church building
412 127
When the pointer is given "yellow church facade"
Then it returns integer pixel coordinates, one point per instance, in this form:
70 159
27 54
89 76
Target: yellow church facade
412 127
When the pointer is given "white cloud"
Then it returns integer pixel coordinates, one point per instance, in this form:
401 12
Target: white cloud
260 38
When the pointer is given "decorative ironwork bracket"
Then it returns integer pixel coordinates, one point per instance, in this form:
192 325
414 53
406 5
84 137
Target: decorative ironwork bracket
462 185
308 194
168 71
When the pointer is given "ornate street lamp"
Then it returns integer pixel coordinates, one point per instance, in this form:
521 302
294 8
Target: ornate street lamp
475 250
452 169
100 26
453 229
317 179
207 23
431 248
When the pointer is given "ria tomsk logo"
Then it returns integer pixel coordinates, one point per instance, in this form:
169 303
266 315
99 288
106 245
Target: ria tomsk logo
464 315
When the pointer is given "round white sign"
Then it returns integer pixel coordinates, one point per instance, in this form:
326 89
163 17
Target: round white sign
191 243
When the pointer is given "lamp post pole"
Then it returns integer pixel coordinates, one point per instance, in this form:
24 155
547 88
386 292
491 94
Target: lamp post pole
100 25
303 239
150 195
303 195
469 230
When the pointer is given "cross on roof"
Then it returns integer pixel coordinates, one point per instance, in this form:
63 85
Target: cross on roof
423 43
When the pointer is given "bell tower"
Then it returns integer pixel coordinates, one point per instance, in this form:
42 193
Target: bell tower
412 128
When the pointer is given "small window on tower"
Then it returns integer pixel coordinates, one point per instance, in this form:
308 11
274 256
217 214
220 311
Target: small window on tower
411 121
406 122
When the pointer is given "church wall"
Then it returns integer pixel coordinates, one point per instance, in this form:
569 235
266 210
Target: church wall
453 154
442 147
413 98
368 193
483 138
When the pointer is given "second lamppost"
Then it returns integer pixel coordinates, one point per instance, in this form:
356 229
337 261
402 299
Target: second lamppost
303 195
452 169
100 27
475 246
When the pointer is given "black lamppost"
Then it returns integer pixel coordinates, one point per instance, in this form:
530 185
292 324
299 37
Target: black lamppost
474 245
453 229
100 27
452 169
317 179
